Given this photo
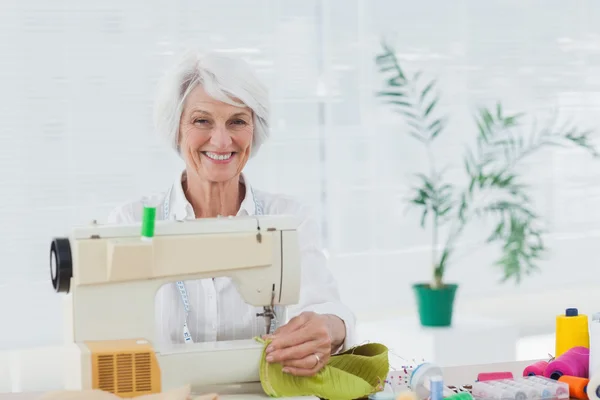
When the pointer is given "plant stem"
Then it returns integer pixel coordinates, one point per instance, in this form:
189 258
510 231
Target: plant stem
436 282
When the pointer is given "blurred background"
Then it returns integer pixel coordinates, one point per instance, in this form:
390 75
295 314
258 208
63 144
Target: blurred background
77 83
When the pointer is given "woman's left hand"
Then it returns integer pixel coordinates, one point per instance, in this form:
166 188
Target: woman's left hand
303 345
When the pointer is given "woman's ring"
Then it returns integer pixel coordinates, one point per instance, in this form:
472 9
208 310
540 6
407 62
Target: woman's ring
318 359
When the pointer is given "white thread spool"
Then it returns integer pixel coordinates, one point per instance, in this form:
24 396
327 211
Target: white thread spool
594 367
420 380
593 387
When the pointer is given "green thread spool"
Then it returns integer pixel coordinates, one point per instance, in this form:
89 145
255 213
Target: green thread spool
460 396
148 222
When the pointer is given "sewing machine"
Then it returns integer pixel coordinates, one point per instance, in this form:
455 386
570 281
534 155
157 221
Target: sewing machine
111 275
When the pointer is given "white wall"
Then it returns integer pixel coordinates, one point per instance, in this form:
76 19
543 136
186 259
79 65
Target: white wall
77 82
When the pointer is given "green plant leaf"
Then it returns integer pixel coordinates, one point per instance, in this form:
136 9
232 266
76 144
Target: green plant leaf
391 94
417 108
427 89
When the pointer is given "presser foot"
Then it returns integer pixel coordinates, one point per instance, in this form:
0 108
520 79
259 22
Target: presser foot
269 316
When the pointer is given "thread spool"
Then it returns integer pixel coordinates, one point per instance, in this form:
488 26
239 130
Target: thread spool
420 380
595 345
571 331
577 386
575 362
536 369
148 222
436 388
593 387
494 376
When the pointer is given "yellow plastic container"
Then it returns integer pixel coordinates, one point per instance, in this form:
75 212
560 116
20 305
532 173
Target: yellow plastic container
571 331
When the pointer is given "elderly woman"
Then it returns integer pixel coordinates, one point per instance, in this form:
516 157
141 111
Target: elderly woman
215 113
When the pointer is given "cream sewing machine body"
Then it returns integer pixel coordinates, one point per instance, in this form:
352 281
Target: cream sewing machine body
111 275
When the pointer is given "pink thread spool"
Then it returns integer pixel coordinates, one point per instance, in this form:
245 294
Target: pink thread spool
493 376
574 362
536 368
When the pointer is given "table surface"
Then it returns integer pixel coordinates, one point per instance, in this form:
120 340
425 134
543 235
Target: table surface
35 396
456 376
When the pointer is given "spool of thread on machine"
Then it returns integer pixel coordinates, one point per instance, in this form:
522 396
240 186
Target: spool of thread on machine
148 223
536 369
571 331
577 386
575 362
595 345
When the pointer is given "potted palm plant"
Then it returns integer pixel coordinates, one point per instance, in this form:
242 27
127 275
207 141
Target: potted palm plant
493 188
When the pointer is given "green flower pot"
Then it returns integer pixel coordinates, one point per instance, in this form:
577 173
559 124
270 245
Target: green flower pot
435 305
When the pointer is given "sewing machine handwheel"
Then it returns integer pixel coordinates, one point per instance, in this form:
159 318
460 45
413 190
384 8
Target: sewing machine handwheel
61 264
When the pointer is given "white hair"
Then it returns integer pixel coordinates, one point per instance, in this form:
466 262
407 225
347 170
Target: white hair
223 78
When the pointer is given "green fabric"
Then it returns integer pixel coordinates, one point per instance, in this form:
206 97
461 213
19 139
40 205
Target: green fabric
353 374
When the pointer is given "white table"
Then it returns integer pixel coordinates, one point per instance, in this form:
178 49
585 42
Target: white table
471 340
455 376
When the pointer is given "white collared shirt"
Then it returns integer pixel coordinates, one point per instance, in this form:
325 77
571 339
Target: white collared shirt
217 311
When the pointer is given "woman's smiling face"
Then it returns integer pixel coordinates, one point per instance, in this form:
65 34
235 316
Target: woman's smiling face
215 137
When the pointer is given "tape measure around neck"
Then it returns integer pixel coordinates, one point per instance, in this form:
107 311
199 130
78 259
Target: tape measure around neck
187 336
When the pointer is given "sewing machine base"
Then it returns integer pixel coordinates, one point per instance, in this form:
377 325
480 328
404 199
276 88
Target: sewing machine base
131 368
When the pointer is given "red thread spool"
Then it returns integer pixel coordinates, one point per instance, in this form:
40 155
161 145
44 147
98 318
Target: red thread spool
536 368
493 376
